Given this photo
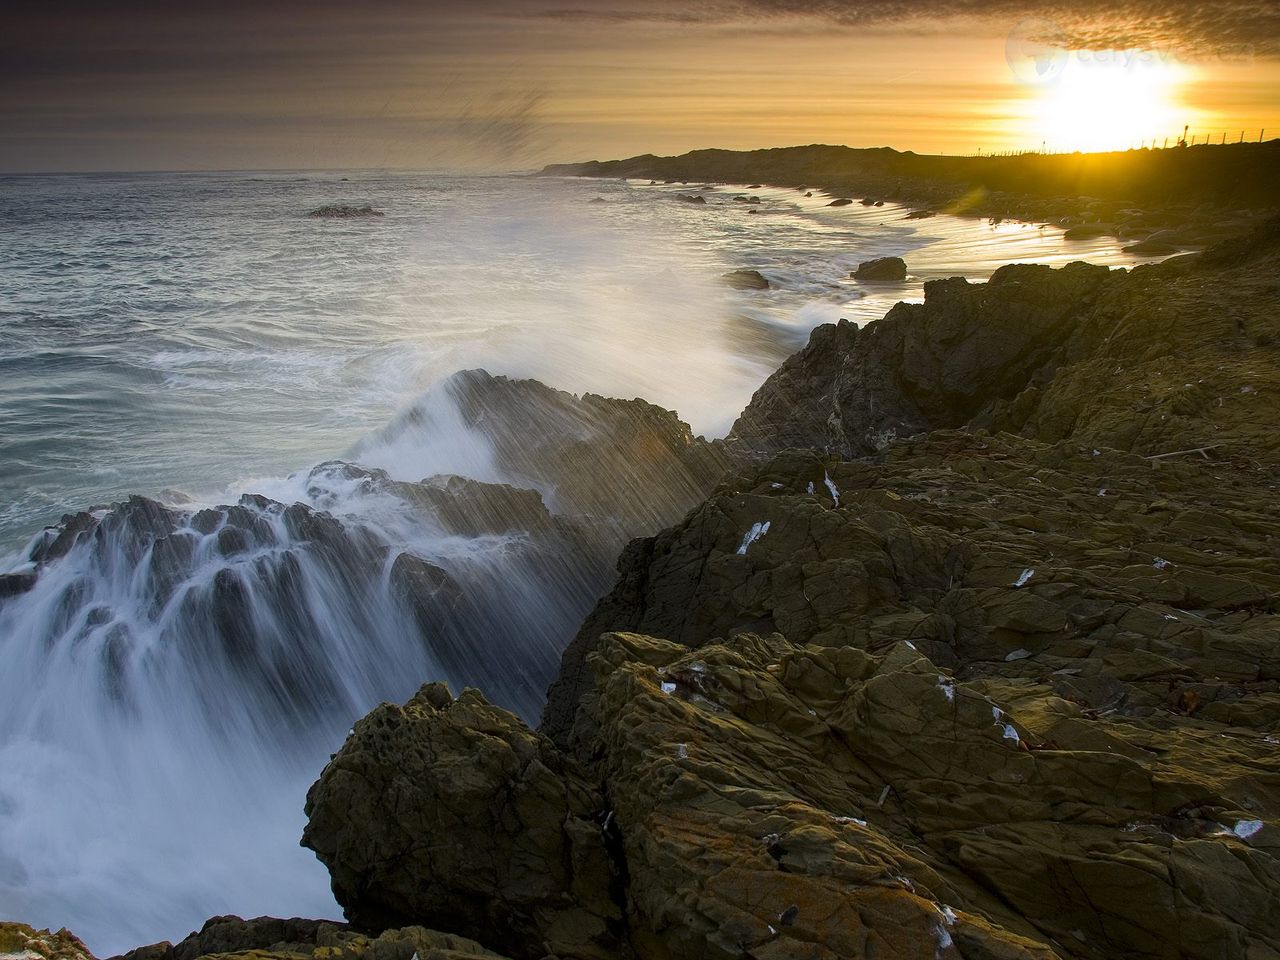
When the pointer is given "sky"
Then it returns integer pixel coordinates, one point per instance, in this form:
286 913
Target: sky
514 84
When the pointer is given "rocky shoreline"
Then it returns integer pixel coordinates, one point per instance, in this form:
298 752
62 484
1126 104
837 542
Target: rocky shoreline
1160 201
972 654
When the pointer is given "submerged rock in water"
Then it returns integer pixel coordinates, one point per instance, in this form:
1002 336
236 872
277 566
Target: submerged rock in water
747 280
344 212
12 584
890 269
840 202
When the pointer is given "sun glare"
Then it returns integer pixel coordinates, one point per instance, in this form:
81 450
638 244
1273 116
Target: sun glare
1109 102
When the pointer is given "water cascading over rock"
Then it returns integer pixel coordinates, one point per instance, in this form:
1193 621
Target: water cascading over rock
179 671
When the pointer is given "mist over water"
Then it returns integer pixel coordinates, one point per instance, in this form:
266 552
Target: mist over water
179 673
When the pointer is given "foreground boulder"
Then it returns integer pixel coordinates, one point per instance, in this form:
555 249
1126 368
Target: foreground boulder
451 813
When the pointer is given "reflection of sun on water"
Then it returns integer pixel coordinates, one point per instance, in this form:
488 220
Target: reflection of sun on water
1109 104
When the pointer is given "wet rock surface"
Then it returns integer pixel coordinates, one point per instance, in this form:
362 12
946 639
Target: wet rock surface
747 280
950 704
884 269
627 463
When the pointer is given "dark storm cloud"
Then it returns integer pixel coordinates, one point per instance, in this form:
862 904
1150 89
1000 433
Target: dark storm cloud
1187 27
82 41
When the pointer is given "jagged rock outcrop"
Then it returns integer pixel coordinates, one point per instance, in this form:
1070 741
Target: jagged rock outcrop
21 942
1182 354
924 366
625 463
452 813
1124 563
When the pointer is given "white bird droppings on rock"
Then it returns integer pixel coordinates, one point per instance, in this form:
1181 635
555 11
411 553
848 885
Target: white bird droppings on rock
831 488
944 940
757 531
1247 828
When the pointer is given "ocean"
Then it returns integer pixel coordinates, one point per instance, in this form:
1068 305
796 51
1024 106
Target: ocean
196 337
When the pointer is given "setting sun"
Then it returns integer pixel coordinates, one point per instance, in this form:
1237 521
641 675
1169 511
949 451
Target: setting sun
1109 102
